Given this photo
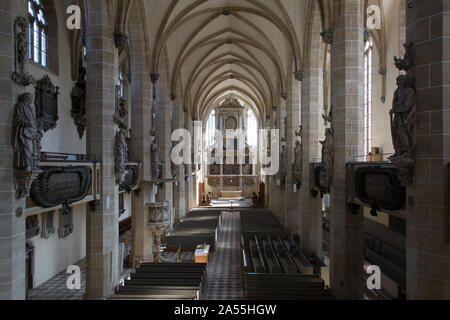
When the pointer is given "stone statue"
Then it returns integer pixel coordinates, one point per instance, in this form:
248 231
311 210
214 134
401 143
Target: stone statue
173 166
121 155
79 103
297 165
283 164
19 75
403 120
156 168
327 158
120 116
26 141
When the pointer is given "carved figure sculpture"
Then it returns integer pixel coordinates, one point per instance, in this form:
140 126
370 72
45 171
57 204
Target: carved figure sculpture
327 158
403 119
78 103
297 165
156 170
26 141
19 75
121 155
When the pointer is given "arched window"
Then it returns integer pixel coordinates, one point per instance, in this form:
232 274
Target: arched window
368 96
252 129
38 33
210 130
121 85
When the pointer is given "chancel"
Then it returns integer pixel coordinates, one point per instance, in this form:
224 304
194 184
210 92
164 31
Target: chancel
315 141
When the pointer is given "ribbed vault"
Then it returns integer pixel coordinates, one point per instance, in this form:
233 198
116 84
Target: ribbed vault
216 48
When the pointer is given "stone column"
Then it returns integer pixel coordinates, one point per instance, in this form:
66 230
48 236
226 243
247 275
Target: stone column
12 226
163 127
102 225
428 219
312 106
346 238
141 121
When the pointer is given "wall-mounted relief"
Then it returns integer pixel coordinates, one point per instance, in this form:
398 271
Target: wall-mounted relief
20 76
214 182
26 141
247 169
32 226
231 182
131 178
248 182
78 95
61 185
46 100
214 169
66 222
47 225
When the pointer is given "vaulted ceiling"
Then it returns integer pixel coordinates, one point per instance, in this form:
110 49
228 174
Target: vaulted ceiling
214 48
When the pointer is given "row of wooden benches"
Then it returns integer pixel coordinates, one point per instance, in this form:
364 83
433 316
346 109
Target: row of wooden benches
273 253
165 281
285 287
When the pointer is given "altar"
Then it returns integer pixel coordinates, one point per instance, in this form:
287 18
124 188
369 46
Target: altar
231 194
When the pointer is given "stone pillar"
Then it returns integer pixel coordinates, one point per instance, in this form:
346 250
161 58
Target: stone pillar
347 57
12 226
428 219
312 106
102 230
179 188
292 199
164 128
141 122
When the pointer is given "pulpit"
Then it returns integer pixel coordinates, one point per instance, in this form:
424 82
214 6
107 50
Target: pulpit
158 221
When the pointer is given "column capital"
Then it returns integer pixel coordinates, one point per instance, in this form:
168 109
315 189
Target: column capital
327 36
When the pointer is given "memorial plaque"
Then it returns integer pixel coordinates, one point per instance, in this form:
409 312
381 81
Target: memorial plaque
380 188
47 103
320 180
61 185
47 225
66 222
32 226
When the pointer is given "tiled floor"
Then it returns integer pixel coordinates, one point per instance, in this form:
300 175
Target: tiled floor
224 269
56 288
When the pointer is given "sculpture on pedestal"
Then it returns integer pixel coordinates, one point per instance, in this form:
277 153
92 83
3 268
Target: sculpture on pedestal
121 146
326 174
26 141
20 76
403 120
297 165
156 167
403 114
79 103
283 165
121 155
